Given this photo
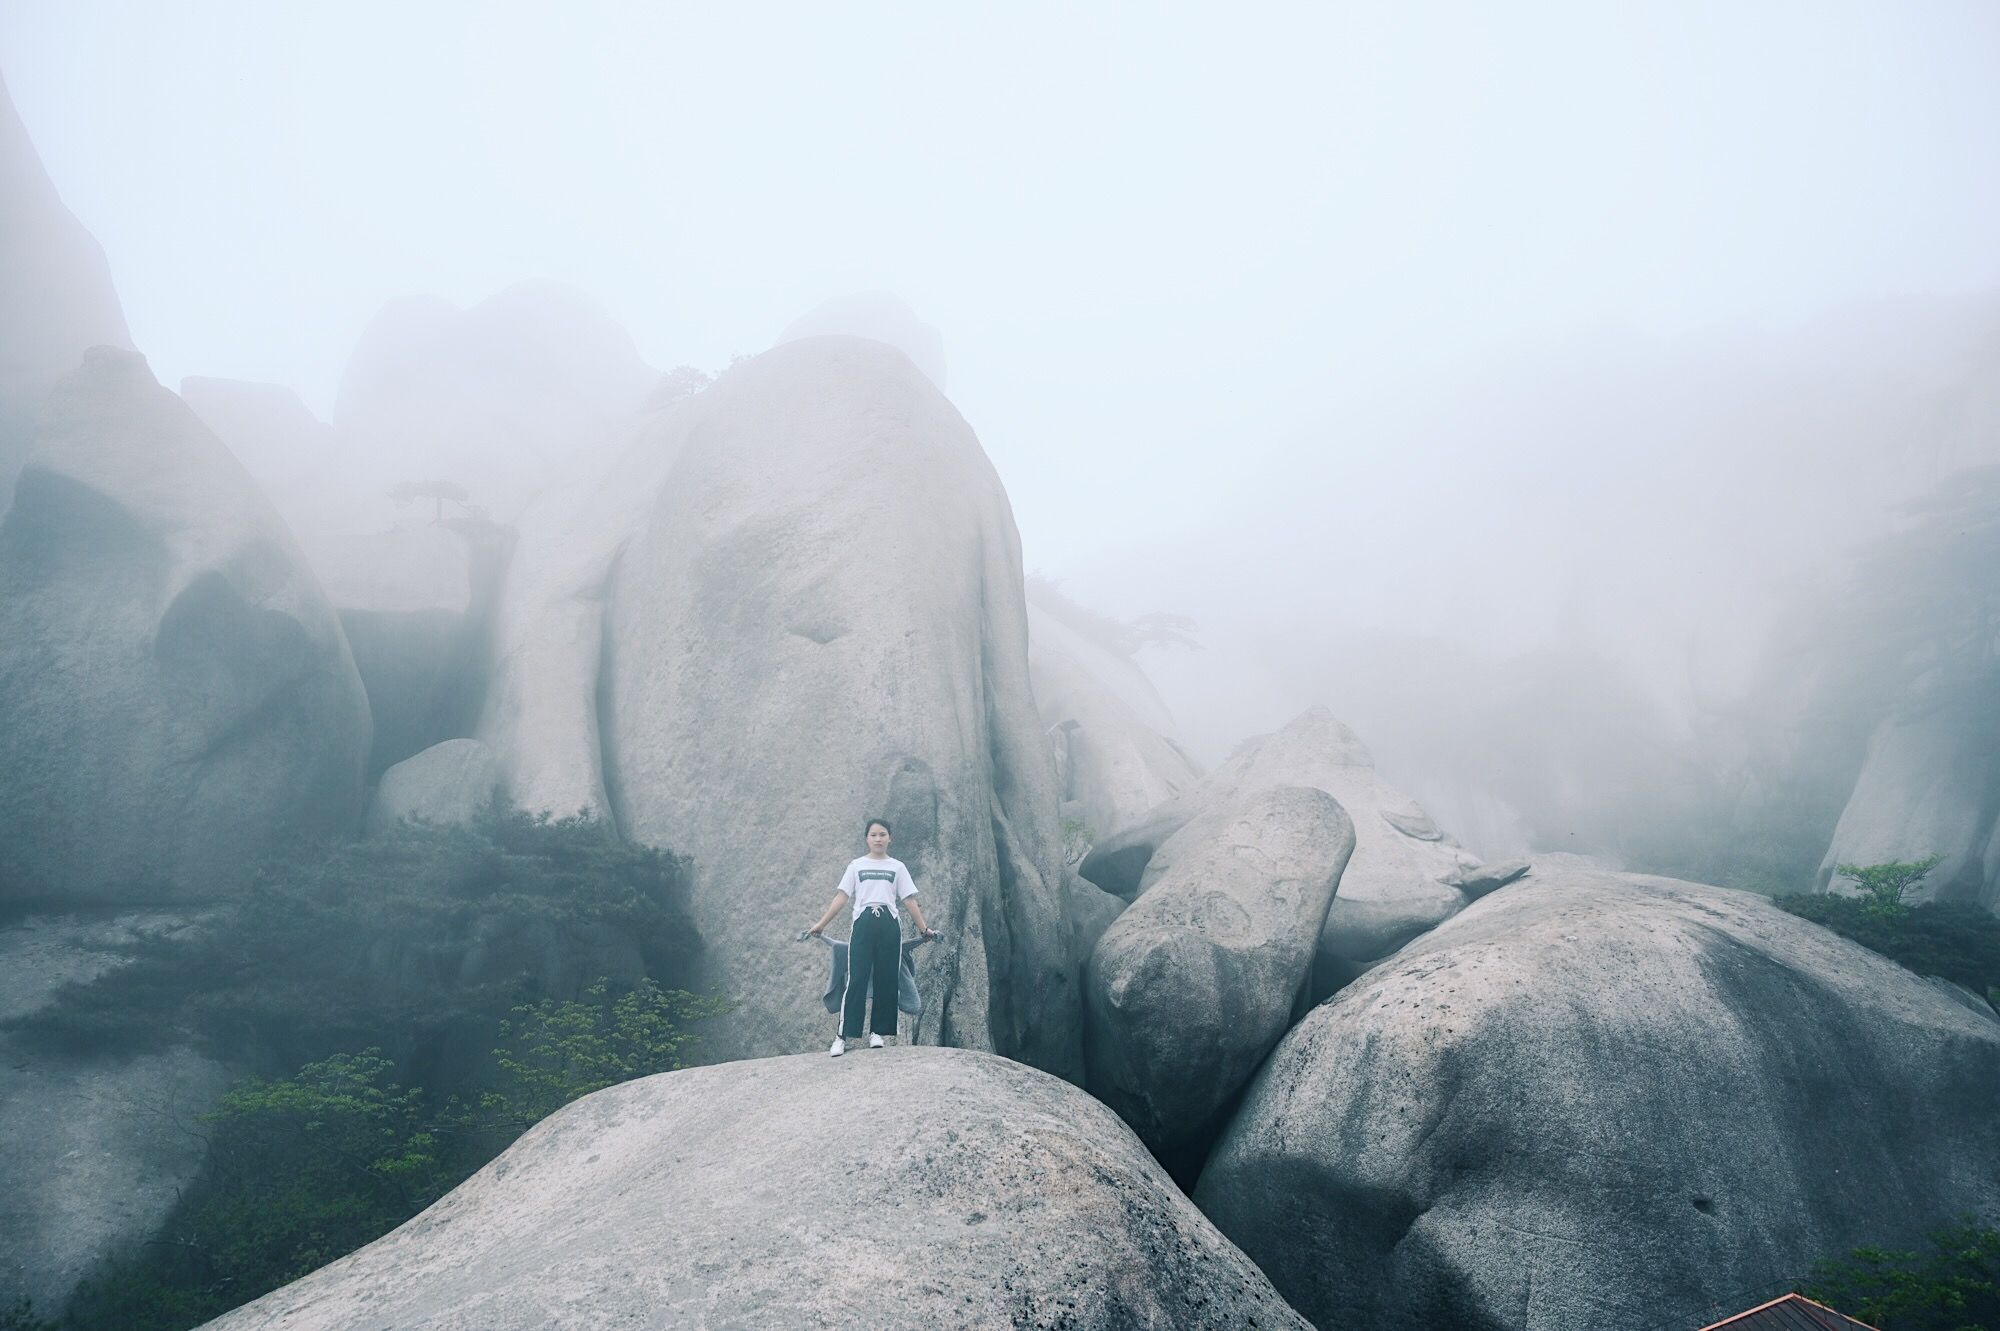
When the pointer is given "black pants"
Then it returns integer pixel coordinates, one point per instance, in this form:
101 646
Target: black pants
874 954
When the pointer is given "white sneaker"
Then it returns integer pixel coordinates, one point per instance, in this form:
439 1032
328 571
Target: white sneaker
875 1042
839 1048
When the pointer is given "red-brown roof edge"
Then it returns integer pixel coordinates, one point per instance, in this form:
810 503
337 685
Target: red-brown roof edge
1841 1319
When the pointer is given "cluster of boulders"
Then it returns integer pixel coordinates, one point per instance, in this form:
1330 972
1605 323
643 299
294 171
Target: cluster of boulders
735 619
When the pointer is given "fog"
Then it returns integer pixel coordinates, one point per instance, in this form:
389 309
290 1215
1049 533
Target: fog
1518 383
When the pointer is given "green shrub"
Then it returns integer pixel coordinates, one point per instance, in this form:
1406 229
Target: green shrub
1883 886
1959 942
420 941
304 1169
1954 1287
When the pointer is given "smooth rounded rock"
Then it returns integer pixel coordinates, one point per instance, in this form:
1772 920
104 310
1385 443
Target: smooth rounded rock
1191 986
907 1189
176 695
448 783
1596 1099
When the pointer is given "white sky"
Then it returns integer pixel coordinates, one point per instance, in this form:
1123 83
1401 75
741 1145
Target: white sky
1157 238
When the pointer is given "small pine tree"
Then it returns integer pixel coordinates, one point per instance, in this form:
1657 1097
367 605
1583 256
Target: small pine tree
1883 886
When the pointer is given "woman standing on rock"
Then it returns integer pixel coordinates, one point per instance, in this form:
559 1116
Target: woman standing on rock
877 886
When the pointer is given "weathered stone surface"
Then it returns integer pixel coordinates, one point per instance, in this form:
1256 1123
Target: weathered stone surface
539 710
97 1147
176 696
1594 1099
980 1194
1191 986
1091 911
1477 882
1929 787
1399 882
1111 732
822 620
56 298
446 783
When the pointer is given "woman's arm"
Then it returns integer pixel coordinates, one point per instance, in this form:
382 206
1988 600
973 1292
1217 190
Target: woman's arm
917 914
839 900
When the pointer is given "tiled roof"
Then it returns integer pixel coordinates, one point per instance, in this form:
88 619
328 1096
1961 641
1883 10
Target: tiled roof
1793 1312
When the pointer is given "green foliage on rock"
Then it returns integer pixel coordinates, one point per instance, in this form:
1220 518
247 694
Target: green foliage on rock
1883 886
304 1169
422 939
1953 1287
1952 940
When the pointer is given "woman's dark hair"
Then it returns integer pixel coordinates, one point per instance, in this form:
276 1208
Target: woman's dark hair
882 823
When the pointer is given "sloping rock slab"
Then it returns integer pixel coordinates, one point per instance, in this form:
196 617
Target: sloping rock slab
912 1188
1597 1099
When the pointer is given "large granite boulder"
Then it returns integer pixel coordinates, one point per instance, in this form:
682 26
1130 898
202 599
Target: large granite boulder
1929 787
912 1188
1595 1099
822 620
1190 987
1111 733
1403 878
176 696
99 1146
448 783
545 665
56 297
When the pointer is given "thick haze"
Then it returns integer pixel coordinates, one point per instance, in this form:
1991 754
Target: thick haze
1592 327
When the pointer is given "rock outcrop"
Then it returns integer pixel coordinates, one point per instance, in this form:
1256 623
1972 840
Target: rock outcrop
56 297
176 696
98 1146
448 783
744 1196
1402 879
822 620
1189 988
540 708
1930 786
1115 757
1595 1099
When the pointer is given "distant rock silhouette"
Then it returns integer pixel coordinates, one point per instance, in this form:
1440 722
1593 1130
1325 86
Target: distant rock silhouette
56 297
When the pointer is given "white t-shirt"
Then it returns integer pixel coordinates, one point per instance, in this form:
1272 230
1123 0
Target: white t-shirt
872 882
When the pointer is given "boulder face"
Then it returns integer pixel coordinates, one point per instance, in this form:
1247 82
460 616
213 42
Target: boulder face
822 621
540 714
1189 988
1109 729
1929 787
99 1147
56 298
1595 1099
744 1195
448 783
1402 879
176 697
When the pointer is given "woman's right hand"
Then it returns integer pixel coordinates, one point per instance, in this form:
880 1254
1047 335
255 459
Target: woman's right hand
816 930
